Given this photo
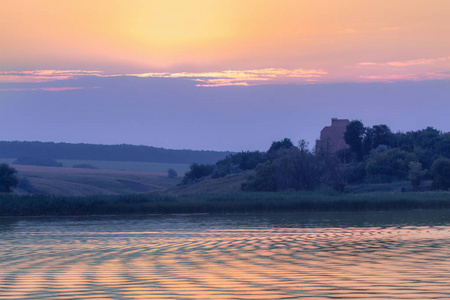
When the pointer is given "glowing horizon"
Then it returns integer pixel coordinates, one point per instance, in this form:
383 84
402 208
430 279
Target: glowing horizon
338 41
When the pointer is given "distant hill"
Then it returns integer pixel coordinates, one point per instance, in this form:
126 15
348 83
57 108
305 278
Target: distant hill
121 152
86 182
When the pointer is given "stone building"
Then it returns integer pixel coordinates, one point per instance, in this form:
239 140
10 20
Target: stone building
332 137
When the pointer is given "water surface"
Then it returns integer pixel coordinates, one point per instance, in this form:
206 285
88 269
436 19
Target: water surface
400 255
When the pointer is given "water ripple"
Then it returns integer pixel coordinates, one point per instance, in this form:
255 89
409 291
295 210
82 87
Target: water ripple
69 259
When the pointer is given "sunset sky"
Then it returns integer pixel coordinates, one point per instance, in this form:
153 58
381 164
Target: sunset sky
222 75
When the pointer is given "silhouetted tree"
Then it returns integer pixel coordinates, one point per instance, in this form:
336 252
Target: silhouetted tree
8 178
382 135
196 172
303 145
353 136
441 173
375 136
283 144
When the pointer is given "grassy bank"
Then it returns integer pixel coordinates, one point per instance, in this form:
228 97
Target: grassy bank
40 205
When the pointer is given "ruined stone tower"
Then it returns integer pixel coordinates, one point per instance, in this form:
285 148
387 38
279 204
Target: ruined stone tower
332 137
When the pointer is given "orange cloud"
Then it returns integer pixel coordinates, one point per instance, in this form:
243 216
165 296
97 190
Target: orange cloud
48 89
406 63
408 77
392 78
44 75
422 61
244 77
367 64
223 78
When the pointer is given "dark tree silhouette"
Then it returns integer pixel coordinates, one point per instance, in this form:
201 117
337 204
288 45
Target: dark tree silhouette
441 173
283 144
8 178
353 136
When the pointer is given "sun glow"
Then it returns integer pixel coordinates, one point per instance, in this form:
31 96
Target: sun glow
201 35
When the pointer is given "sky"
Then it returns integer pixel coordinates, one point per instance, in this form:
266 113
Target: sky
219 75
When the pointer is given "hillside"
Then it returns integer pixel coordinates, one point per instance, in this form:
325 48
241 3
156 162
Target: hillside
228 184
84 182
122 152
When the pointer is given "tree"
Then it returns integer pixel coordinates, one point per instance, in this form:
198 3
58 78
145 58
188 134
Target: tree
415 173
376 136
382 135
263 180
8 178
427 138
196 172
308 170
353 136
303 145
444 146
171 173
389 165
283 144
291 169
441 173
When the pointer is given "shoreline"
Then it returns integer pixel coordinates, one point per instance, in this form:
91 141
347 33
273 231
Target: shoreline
245 202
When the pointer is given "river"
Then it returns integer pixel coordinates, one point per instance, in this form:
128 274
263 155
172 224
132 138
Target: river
370 255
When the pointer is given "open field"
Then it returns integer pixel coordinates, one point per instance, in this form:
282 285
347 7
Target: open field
136 166
83 182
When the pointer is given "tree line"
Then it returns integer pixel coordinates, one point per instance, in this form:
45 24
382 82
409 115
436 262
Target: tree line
39 151
374 155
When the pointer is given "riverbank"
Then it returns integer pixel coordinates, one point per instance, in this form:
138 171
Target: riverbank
44 205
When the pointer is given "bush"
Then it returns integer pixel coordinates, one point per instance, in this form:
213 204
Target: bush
441 173
171 173
8 178
283 144
196 172
25 185
291 169
356 173
415 173
390 165
238 162
263 180
37 161
220 171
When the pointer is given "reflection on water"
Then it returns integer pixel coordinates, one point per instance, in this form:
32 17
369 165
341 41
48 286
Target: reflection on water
279 256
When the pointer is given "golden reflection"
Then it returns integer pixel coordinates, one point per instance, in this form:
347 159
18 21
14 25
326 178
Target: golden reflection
410 262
